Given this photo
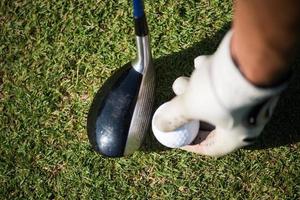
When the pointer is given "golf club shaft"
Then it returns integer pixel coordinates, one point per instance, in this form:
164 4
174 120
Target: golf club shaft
142 39
141 28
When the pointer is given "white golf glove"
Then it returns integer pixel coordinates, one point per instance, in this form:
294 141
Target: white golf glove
217 93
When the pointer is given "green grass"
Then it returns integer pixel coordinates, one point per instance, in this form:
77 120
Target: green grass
54 55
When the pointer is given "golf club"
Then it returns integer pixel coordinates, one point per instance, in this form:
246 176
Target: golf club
120 113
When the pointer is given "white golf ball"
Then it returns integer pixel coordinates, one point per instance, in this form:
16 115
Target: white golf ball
182 136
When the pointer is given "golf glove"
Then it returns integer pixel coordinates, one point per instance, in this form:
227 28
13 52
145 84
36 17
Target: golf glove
217 93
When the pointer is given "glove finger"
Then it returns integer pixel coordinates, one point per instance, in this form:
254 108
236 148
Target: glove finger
170 115
180 84
201 61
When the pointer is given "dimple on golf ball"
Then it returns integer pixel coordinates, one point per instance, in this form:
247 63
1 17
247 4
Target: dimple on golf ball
182 136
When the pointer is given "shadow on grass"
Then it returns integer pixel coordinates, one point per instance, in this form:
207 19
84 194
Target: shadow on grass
284 127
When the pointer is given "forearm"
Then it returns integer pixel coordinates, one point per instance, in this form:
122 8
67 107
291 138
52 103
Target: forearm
265 38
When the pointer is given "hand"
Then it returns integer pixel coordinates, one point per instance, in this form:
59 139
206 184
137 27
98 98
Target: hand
217 93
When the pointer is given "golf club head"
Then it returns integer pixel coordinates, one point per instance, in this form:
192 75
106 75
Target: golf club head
120 114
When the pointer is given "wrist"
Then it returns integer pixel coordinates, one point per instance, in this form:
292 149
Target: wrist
260 65
229 82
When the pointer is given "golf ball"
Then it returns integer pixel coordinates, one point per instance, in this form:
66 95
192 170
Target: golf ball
181 136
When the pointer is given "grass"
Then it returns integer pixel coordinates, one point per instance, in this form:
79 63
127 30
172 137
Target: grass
54 55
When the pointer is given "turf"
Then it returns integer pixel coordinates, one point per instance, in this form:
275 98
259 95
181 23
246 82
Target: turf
54 55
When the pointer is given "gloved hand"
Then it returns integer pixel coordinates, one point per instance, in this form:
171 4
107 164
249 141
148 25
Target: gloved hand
217 93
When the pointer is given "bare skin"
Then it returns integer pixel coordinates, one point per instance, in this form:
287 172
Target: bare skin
265 39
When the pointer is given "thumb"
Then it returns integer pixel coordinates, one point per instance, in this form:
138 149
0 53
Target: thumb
171 115
180 85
